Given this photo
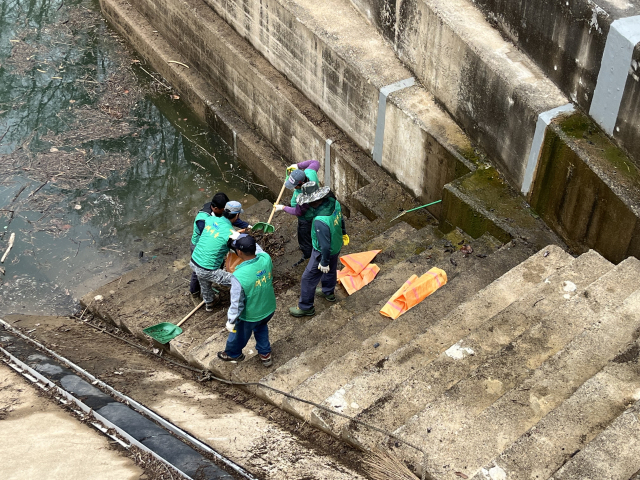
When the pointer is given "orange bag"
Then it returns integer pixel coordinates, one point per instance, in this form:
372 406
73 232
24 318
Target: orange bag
413 291
231 262
358 271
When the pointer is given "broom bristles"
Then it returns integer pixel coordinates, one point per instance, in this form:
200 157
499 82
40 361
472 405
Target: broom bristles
381 465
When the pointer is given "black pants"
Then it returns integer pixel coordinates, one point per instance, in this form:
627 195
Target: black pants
304 236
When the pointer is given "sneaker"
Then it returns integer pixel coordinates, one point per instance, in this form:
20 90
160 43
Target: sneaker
330 297
226 358
298 312
266 360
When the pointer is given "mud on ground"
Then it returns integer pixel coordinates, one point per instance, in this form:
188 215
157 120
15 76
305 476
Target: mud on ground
262 438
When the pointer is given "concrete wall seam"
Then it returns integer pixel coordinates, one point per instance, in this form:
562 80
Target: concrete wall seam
382 107
327 163
623 36
544 119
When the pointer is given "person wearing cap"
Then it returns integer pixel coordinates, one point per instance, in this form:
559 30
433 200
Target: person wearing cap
211 250
214 207
253 302
301 173
328 234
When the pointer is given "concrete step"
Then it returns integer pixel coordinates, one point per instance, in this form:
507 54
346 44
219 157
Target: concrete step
570 427
612 455
417 374
587 189
116 293
474 441
482 202
345 382
284 330
304 376
300 355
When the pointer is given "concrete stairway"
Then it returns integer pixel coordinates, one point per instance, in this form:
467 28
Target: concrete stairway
517 363
526 389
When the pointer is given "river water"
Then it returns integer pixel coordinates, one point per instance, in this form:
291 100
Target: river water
100 161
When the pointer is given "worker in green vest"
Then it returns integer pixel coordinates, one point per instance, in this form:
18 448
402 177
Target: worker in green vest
211 250
299 174
253 302
328 235
214 207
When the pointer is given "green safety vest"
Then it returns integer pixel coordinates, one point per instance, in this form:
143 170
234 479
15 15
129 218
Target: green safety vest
333 218
256 280
212 246
312 176
196 234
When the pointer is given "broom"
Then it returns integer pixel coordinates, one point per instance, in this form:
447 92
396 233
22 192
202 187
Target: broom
381 465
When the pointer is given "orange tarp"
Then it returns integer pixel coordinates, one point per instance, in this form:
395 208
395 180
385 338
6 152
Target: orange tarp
413 292
358 270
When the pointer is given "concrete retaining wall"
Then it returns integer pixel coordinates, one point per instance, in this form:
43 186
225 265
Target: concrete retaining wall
495 92
268 102
592 201
342 72
566 40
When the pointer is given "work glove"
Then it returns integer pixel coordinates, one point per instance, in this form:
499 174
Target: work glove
231 327
279 208
291 168
234 235
323 269
345 240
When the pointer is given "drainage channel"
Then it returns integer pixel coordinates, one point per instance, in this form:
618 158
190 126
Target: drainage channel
114 412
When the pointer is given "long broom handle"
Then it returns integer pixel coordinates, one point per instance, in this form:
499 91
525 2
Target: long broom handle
277 202
190 313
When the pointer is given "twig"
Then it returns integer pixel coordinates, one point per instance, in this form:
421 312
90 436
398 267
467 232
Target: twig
7 131
18 194
179 63
38 189
154 78
110 249
247 181
11 240
79 243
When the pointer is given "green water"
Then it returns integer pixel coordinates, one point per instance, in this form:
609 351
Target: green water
98 162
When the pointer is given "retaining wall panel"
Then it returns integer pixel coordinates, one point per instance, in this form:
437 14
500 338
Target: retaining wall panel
627 131
496 95
566 39
574 201
309 64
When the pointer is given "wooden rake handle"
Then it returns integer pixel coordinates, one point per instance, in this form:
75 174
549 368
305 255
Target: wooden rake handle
190 313
277 202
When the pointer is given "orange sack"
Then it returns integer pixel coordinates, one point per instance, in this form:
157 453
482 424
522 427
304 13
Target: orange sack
413 291
231 262
358 270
